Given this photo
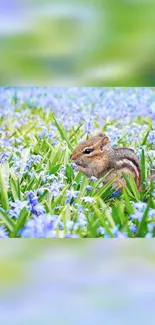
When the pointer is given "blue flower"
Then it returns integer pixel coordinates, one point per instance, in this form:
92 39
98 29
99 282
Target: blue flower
41 226
3 232
151 227
140 206
43 133
100 230
151 137
34 207
93 178
151 213
79 207
115 194
89 188
33 159
70 225
153 193
148 235
71 194
16 208
3 157
41 191
115 231
74 166
60 225
32 199
137 215
81 221
55 188
106 235
133 228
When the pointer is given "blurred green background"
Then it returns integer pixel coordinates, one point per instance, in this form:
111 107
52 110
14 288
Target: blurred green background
78 42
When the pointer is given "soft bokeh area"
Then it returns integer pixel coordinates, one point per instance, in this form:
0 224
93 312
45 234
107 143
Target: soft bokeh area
78 282
78 42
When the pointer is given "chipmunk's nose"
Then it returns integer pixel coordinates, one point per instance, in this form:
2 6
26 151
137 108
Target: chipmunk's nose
71 156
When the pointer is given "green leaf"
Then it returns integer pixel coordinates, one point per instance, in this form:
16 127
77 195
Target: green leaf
130 182
82 189
145 137
15 186
29 185
65 216
19 223
143 170
128 205
54 169
101 215
62 133
30 129
142 225
69 173
78 179
3 190
55 156
14 190
75 132
66 156
7 220
123 137
58 199
118 213
108 214
105 188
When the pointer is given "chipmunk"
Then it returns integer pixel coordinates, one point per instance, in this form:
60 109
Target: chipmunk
96 157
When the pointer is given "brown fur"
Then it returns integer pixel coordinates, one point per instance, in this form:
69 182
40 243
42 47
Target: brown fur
105 158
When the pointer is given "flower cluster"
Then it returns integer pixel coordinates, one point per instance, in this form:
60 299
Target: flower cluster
39 129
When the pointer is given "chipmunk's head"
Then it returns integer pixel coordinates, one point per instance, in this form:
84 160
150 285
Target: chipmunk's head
91 156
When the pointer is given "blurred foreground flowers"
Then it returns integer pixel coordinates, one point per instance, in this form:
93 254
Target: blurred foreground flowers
84 282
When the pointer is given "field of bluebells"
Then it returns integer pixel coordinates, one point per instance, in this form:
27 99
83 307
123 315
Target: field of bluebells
41 193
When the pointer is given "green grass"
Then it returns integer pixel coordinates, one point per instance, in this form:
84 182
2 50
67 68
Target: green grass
102 211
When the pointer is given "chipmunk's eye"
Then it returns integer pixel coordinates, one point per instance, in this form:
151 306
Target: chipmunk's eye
88 151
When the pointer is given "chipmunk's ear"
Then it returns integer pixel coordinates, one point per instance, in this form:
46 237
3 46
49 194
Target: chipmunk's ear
104 141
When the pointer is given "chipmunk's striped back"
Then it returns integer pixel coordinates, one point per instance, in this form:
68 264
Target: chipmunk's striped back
127 161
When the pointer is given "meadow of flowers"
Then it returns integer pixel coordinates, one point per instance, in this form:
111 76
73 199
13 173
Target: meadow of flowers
41 193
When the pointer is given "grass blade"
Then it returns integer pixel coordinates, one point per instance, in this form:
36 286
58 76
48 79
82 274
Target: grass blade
143 170
142 224
7 220
62 133
3 190
19 223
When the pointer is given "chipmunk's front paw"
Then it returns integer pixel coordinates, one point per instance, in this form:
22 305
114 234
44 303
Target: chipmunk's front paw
80 169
